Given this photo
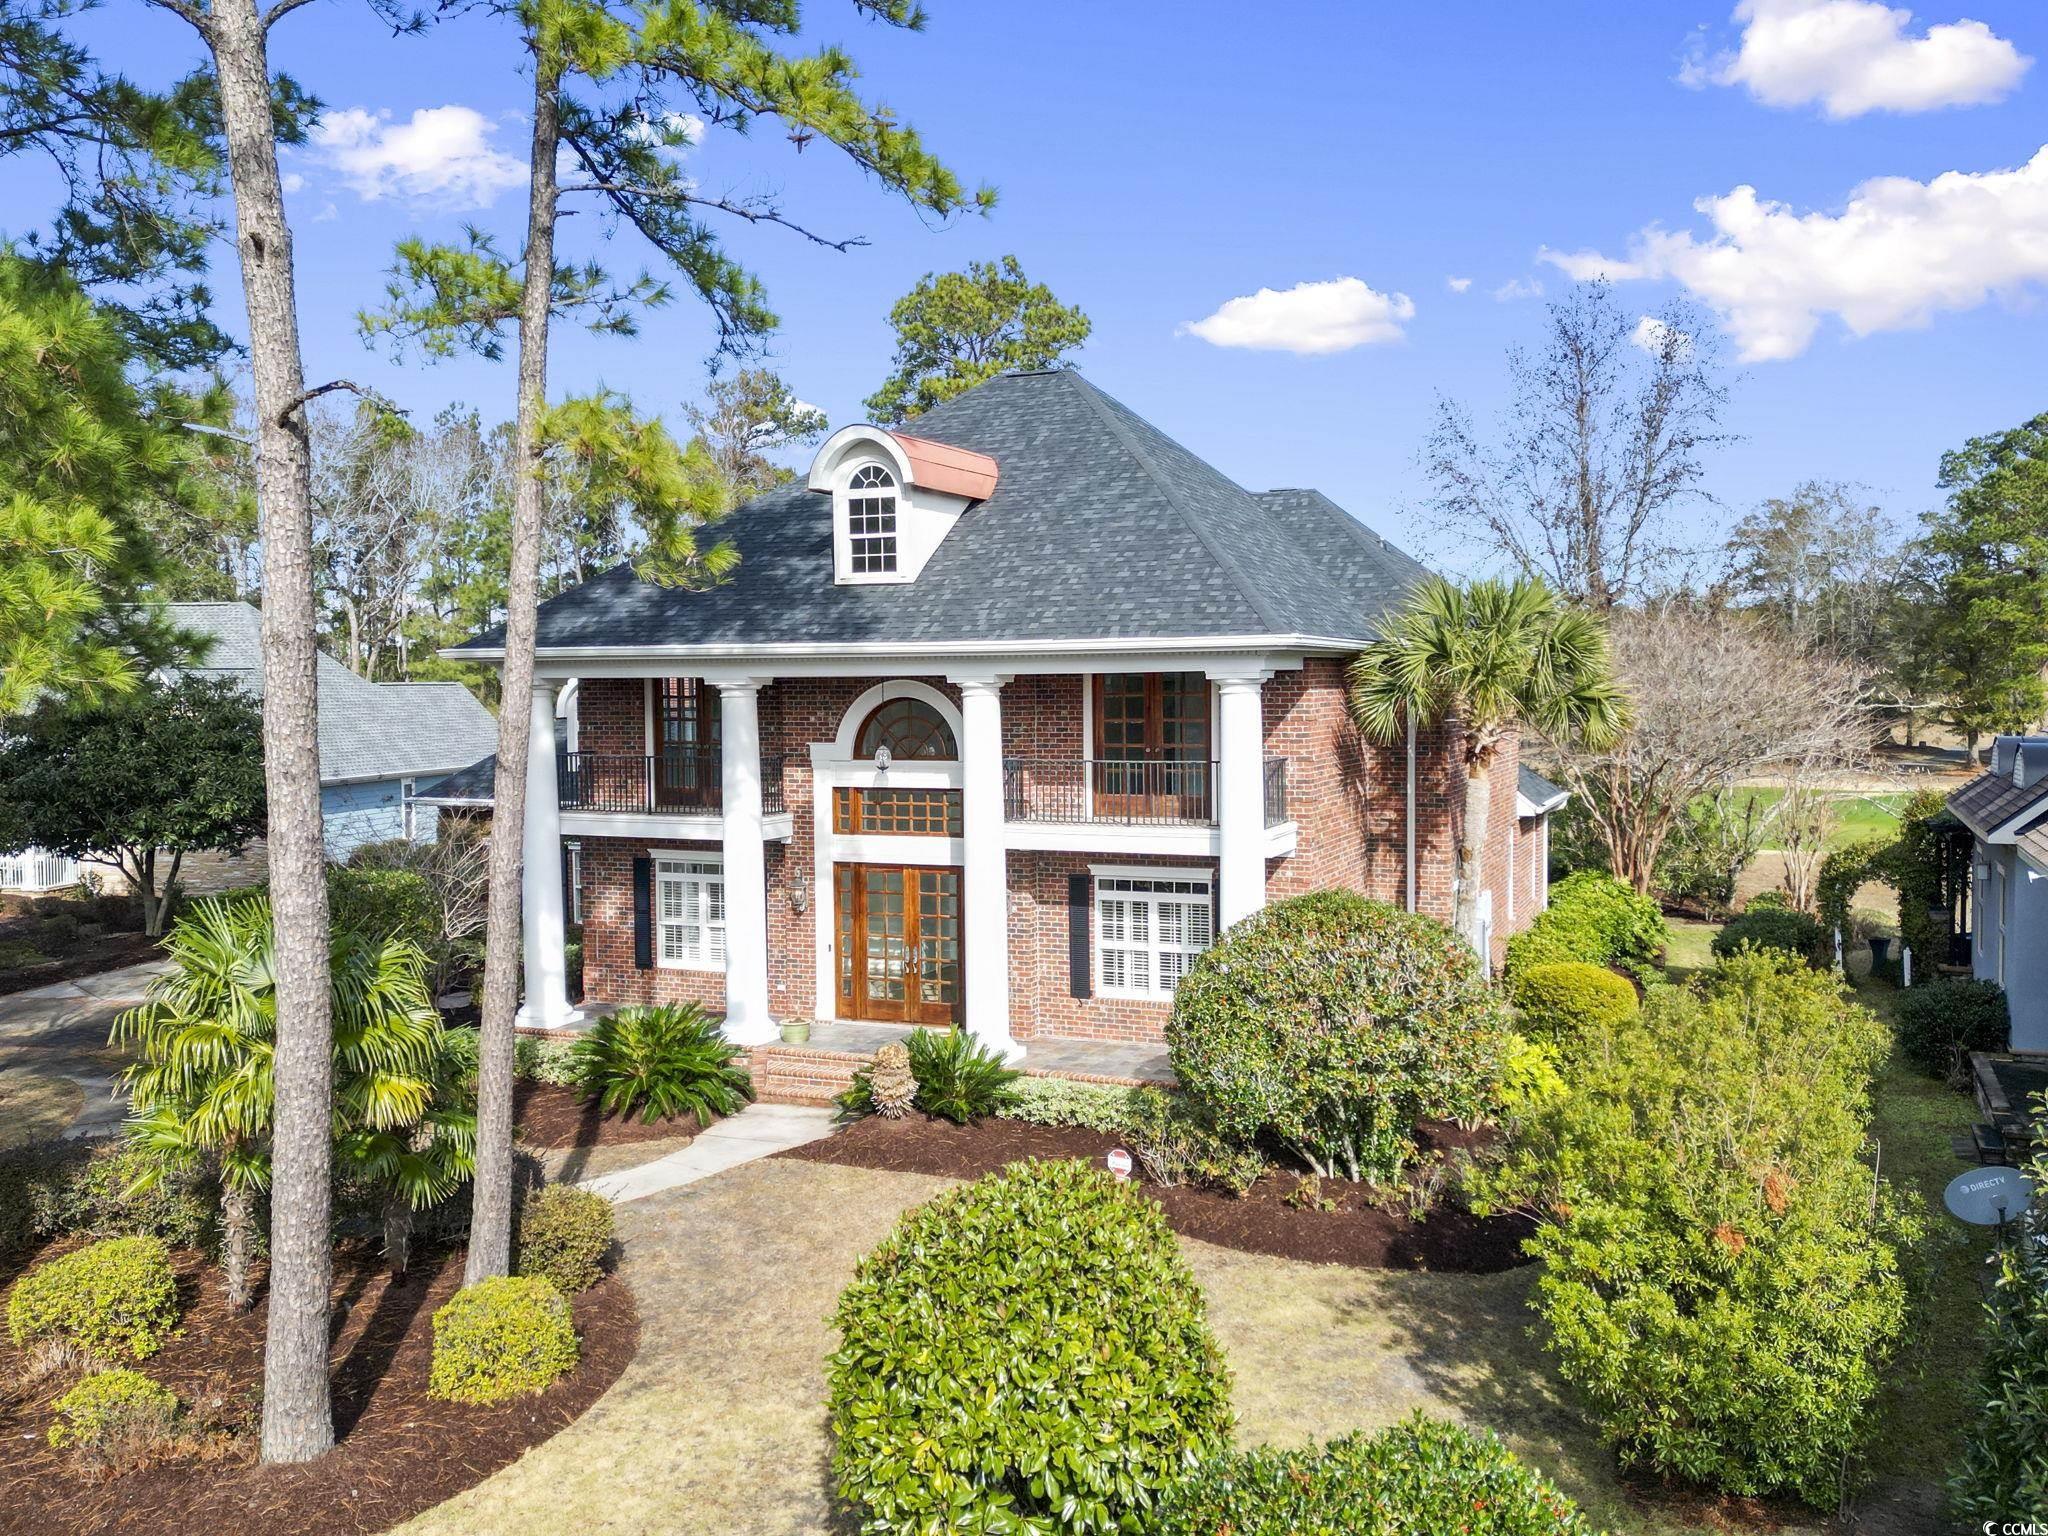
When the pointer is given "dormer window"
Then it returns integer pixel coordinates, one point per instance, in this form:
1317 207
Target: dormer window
871 521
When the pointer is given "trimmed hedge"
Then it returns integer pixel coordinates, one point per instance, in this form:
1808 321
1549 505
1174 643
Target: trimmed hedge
540 1060
116 1420
1779 928
1561 1001
1417 1478
383 903
1030 1349
1332 1024
1939 1024
565 1235
1596 919
499 1339
108 1297
1061 1101
89 1188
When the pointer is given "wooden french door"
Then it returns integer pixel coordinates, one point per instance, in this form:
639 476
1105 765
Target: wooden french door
898 933
1152 747
686 766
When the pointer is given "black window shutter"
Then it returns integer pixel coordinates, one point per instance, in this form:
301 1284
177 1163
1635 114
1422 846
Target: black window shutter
1078 958
643 914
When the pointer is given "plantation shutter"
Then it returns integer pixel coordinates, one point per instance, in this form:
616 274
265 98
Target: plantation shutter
1078 945
643 914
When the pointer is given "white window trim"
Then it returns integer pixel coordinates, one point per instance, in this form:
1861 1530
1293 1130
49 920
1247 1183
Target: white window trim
1176 873
704 870
408 813
842 523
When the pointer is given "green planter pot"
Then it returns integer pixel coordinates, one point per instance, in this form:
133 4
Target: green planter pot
796 1031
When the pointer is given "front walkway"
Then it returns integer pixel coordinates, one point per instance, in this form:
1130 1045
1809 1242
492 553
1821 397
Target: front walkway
57 1072
759 1130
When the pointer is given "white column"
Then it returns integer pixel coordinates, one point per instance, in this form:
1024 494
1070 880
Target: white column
746 878
984 878
547 981
1240 797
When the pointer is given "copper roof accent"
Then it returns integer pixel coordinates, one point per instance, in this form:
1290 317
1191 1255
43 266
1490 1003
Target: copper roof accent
944 468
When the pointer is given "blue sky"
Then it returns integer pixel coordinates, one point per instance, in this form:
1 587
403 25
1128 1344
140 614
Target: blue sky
1155 161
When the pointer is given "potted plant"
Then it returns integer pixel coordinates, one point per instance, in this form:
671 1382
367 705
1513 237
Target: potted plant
795 1031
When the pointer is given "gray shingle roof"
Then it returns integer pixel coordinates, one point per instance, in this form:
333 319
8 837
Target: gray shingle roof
475 785
1991 800
1100 528
367 730
1535 788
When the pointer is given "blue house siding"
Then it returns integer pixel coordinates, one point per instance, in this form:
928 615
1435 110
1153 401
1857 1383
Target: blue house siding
355 814
2009 924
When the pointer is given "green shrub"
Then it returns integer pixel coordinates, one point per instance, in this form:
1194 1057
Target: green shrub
106 1297
115 1421
1939 1024
664 1061
382 903
1332 1024
1418 1478
1061 1101
1722 1275
1778 928
1029 1351
565 1234
122 1191
539 1059
1560 1002
1594 918
2004 1470
958 1078
1177 1144
501 1339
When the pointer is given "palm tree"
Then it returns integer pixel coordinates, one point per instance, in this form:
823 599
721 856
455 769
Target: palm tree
203 1087
1491 657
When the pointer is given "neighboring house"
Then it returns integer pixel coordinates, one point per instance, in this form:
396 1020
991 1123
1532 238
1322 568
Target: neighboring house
2006 809
997 723
379 742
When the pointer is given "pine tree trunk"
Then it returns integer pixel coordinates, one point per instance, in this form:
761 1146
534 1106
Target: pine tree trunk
298 1422
490 1235
237 1228
1471 845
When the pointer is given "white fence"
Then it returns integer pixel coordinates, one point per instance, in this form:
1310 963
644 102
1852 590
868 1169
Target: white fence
35 870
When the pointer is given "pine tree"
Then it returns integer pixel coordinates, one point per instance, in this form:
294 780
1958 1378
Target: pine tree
611 82
955 330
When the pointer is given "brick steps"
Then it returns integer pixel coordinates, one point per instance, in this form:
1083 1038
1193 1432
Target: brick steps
795 1074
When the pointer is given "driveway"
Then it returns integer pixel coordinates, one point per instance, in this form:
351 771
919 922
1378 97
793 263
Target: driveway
57 1073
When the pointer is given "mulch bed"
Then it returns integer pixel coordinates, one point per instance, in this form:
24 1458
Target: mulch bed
550 1119
86 957
399 1452
1356 1233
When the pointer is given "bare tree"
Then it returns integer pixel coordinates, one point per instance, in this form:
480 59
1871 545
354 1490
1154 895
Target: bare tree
1604 438
745 417
1716 700
1823 564
298 1421
373 518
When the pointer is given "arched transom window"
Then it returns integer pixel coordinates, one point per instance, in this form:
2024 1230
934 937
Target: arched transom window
871 521
911 729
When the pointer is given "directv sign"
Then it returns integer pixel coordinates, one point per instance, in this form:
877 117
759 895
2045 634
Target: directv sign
1988 1197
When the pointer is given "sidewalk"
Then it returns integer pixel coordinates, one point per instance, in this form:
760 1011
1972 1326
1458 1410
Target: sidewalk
757 1131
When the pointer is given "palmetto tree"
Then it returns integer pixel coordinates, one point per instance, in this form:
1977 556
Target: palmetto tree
1491 656
202 1088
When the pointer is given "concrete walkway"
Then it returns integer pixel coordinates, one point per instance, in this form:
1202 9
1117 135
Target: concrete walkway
757 1131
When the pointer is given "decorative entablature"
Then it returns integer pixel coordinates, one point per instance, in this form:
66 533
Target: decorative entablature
894 499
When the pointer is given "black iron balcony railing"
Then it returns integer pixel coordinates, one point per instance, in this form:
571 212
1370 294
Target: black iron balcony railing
687 781
1276 791
1150 791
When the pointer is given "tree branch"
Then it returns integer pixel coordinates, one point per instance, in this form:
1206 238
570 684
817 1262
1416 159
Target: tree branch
198 19
298 402
753 213
280 10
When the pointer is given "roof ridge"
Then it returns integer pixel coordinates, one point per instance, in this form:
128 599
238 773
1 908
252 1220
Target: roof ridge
1246 588
1365 538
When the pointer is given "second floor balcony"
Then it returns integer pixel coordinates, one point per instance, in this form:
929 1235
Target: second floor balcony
688 781
1149 791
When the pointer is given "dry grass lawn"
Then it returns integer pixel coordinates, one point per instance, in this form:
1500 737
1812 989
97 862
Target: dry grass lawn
719 1424
35 1106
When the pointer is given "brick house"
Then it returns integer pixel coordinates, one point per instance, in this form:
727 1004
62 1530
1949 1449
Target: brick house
998 723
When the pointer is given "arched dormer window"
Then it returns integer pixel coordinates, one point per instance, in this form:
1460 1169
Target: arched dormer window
871 521
911 729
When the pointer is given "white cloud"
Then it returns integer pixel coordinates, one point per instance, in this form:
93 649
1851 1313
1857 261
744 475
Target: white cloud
441 152
1515 288
1858 56
1307 318
1897 254
1457 284
1653 335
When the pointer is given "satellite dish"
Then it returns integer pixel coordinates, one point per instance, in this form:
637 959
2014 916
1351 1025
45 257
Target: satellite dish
883 757
1988 1197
